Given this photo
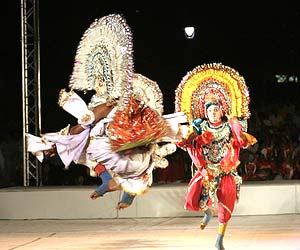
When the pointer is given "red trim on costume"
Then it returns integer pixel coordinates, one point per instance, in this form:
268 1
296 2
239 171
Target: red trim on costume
205 138
99 169
216 124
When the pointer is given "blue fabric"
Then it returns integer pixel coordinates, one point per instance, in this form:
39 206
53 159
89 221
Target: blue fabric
207 216
127 198
219 242
105 177
196 125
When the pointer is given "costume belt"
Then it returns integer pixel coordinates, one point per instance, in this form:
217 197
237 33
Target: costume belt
214 170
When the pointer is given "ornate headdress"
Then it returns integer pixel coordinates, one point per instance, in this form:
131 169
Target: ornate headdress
212 83
104 55
104 63
147 91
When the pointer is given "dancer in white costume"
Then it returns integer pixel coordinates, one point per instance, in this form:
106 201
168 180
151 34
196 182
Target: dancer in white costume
88 143
118 132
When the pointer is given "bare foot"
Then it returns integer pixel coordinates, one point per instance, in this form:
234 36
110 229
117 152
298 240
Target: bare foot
94 195
112 186
122 205
207 217
202 225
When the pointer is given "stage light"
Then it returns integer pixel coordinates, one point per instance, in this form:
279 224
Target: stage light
287 78
189 32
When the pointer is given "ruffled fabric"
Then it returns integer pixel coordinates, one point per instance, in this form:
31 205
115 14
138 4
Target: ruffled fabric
136 125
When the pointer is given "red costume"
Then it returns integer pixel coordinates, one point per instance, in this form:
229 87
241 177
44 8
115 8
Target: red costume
219 169
215 99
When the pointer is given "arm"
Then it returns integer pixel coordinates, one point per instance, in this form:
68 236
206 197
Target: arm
77 129
101 111
241 139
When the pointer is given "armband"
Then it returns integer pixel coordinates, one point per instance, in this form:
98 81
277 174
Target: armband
87 119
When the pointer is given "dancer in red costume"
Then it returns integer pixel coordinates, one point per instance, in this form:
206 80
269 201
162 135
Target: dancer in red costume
216 100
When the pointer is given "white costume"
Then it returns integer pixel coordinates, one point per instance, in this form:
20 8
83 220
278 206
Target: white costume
92 146
104 63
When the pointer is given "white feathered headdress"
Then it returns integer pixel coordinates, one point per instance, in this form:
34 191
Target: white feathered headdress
104 55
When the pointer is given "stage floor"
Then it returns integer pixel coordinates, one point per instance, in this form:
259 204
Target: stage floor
274 232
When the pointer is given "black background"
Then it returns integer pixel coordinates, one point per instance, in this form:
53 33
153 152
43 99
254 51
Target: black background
257 40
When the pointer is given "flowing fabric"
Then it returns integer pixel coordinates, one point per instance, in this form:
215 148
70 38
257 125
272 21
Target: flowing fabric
219 178
193 195
226 194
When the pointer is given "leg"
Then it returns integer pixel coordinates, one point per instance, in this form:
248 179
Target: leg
126 201
226 194
206 218
108 184
100 191
221 233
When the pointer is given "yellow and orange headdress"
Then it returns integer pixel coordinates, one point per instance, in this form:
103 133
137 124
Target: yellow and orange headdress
212 83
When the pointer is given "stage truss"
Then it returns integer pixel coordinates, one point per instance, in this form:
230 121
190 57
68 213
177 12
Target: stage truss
30 86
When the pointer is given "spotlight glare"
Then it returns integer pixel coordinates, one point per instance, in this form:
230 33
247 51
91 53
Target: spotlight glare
189 32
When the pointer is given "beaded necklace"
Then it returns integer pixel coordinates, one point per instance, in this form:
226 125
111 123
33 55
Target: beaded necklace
216 150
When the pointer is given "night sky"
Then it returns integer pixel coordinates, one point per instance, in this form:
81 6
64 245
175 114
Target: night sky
258 41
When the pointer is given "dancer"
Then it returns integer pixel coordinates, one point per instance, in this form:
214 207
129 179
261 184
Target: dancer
88 143
119 130
215 98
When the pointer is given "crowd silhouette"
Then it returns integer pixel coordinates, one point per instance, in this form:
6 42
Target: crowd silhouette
276 155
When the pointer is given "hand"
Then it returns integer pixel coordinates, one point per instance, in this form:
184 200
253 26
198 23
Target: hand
196 125
110 103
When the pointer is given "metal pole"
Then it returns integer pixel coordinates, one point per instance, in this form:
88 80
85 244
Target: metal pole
31 98
24 90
